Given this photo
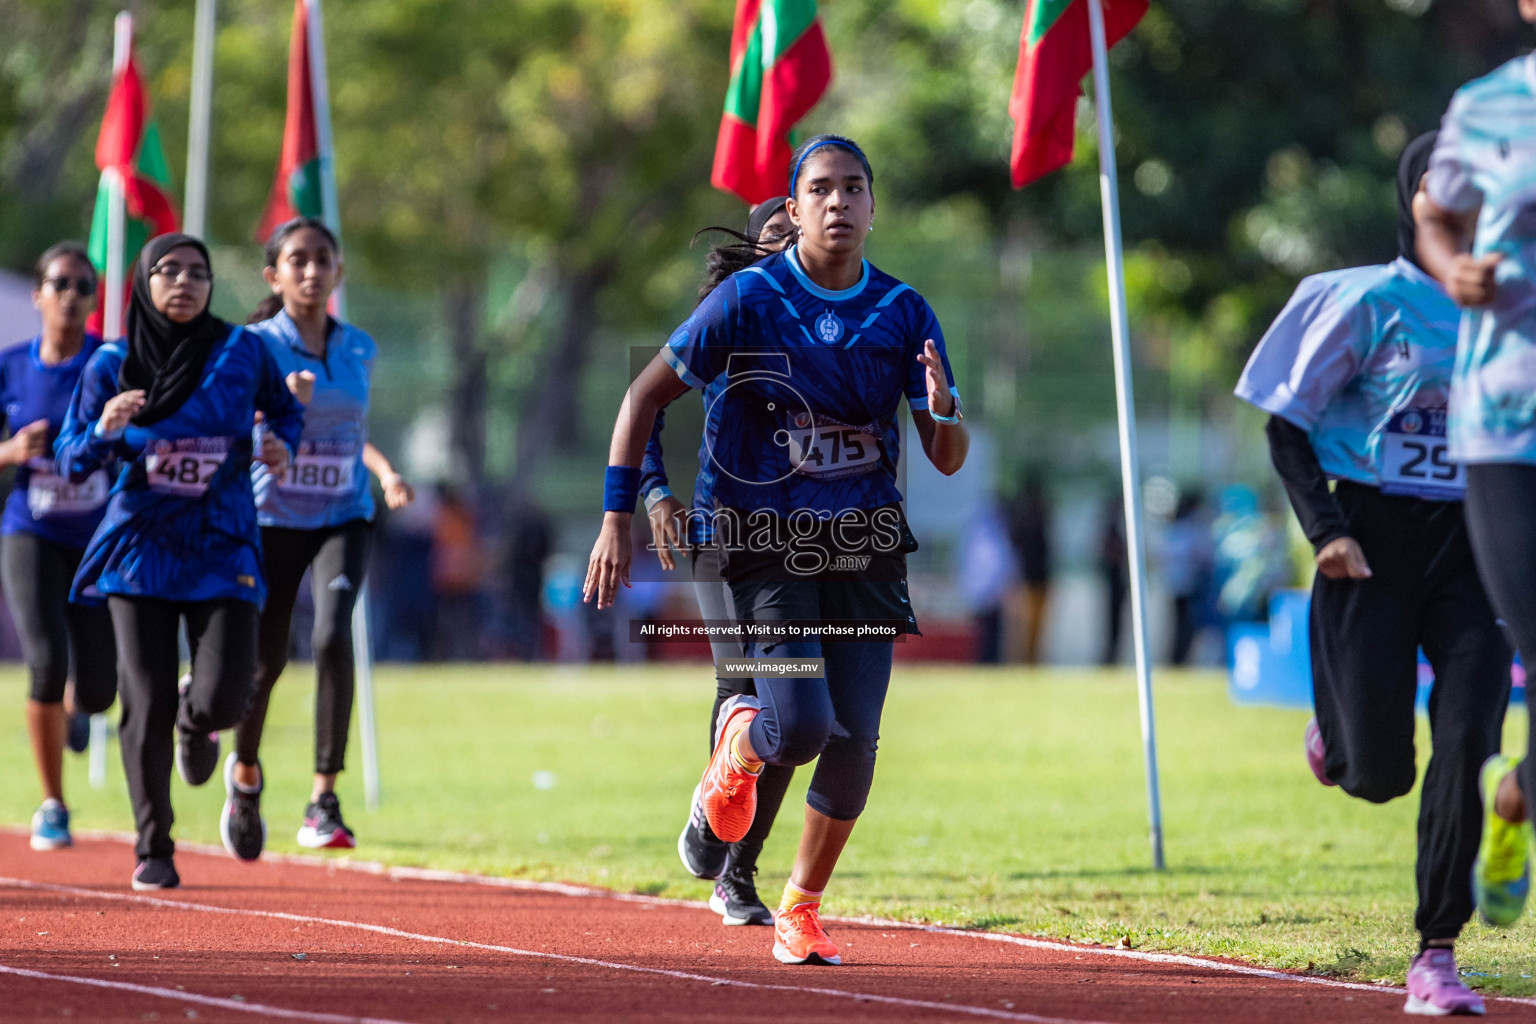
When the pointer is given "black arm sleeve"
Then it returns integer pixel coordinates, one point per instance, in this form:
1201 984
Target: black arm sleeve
1322 520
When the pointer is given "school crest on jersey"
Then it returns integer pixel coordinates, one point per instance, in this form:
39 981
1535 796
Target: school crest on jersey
829 328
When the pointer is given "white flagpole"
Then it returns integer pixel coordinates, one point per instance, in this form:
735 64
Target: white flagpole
361 634
195 210
1130 472
117 226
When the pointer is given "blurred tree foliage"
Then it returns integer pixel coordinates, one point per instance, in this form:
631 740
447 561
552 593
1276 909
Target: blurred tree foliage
537 166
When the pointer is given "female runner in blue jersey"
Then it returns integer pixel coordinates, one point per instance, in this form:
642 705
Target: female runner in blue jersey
1477 233
1355 374
318 515
732 866
174 401
46 525
817 349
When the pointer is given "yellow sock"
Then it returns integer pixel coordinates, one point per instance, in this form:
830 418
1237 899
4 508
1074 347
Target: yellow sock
741 762
794 896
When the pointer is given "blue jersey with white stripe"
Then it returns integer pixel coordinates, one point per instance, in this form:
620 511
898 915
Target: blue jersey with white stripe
1361 359
1485 160
327 484
803 386
42 502
181 522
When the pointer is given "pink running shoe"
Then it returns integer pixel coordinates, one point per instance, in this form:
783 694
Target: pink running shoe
1315 754
1435 988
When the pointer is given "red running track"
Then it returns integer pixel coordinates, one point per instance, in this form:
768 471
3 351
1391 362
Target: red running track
300 939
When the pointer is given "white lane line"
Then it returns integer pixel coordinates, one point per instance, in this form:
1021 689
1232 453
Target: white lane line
591 892
260 1009
378 929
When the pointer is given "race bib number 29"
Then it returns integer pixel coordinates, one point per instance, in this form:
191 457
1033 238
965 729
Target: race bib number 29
185 467
1415 459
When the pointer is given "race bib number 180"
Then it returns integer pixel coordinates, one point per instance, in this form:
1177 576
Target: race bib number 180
324 474
186 466
1415 460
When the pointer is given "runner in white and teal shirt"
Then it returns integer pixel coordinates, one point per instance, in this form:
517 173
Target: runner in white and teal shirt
1477 233
317 516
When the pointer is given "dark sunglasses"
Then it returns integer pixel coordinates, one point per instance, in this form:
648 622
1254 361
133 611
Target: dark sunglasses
79 285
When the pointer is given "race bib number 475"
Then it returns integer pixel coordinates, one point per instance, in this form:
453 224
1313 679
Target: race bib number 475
828 449
1415 460
185 467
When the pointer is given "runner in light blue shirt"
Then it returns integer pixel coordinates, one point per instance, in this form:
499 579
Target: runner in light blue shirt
1477 233
1355 373
317 516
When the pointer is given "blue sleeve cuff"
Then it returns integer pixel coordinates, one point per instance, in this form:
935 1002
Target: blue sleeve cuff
655 496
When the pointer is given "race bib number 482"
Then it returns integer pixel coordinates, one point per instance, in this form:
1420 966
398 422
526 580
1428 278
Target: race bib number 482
1415 459
186 466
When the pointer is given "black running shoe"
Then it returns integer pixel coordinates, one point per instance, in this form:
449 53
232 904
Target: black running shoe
78 734
197 753
240 824
156 873
702 853
735 898
323 828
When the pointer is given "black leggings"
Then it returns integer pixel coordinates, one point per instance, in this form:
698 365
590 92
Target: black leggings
715 604
339 555
1423 592
1501 515
222 635
37 575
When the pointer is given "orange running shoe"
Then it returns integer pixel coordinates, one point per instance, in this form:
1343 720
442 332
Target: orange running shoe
799 938
729 793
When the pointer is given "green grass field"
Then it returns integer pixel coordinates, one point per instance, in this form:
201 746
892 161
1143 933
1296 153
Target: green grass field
1004 799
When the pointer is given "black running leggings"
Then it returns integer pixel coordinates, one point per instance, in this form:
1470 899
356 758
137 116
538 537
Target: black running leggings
222 635
1501 515
715 603
1424 592
37 574
339 556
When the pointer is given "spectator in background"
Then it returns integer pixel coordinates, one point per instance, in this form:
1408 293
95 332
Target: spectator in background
402 574
1188 567
456 564
987 574
1113 564
1031 534
528 546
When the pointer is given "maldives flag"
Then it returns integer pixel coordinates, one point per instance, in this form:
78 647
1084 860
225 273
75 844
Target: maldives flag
1054 55
296 190
129 147
780 66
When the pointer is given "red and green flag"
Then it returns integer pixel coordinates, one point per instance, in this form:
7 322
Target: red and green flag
296 191
129 148
1054 55
780 67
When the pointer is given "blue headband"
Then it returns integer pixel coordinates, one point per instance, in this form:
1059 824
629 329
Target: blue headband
841 143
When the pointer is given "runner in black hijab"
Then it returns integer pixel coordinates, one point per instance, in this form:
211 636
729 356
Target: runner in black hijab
1411 167
165 358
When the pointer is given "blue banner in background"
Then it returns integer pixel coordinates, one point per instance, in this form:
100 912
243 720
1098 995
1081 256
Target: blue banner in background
1270 663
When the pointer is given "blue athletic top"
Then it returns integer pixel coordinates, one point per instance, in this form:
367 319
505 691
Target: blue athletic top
1361 359
42 502
327 484
803 384
1485 160
181 522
